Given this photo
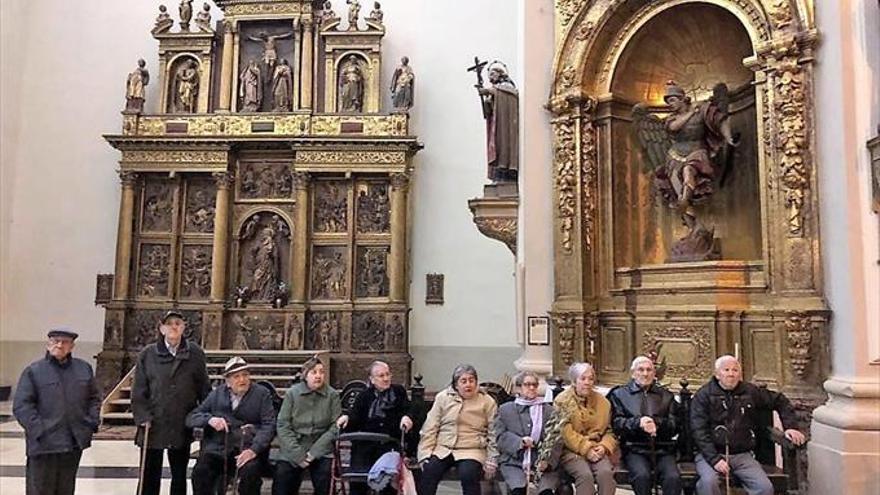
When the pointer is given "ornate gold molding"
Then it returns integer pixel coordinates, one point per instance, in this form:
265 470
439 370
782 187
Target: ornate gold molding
282 125
589 176
500 229
566 10
400 181
351 157
565 326
698 335
263 9
565 177
223 180
173 156
799 333
301 180
791 138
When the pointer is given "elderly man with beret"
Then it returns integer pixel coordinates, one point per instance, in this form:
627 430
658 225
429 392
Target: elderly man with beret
58 404
170 380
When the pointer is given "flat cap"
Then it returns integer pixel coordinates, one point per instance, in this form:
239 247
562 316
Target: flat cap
62 332
235 364
173 313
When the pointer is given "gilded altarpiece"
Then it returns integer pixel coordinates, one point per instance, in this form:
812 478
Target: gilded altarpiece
619 291
271 216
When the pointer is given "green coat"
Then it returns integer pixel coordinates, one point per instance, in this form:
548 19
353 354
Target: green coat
307 422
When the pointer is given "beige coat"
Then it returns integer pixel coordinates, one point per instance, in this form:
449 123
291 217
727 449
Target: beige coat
589 422
461 428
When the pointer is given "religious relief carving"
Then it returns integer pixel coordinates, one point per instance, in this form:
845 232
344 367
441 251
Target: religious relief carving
372 272
113 329
135 88
791 139
295 333
434 288
324 332
698 363
142 327
157 206
351 85
687 150
270 52
265 244
185 93
153 270
329 270
799 333
373 208
104 288
199 213
195 272
565 330
265 181
368 332
331 207
395 334
258 331
565 176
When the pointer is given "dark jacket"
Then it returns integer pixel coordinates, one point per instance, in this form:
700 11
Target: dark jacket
166 388
738 411
387 421
512 424
629 403
58 405
255 408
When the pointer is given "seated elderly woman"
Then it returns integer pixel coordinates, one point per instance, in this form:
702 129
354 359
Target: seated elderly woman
457 432
520 429
306 431
587 437
382 408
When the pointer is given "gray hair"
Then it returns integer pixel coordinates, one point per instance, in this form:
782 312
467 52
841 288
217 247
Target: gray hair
577 369
723 359
522 375
461 370
639 360
375 364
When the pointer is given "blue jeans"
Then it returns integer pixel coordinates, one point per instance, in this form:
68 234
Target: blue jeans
743 467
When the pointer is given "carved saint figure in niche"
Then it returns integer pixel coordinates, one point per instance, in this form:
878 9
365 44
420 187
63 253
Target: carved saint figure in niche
394 330
324 331
135 86
501 111
354 11
186 13
402 81
329 275
282 87
154 271
266 264
373 208
351 83
270 53
163 20
187 83
377 15
331 208
373 273
196 272
295 334
688 150
203 19
251 87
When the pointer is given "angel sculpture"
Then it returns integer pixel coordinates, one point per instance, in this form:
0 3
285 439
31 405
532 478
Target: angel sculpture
688 151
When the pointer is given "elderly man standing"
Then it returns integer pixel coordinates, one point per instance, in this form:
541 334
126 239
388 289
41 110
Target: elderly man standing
58 405
724 414
643 416
239 422
170 380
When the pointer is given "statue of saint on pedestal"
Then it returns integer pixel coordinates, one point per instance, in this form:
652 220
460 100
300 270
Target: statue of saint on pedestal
251 88
688 151
187 83
402 86
203 19
351 93
282 86
186 13
135 86
163 21
501 111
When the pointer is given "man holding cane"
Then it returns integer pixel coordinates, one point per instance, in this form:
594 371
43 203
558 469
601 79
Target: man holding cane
724 413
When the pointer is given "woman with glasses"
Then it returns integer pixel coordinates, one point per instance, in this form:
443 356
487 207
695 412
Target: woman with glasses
519 430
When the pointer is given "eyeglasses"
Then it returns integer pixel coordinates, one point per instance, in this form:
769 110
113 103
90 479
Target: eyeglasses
53 341
530 384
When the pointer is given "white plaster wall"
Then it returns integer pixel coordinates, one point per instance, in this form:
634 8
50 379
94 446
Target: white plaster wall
63 72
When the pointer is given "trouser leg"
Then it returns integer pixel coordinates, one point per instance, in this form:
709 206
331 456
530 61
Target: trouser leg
432 473
640 475
319 472
708 478
250 476
287 479
603 472
40 473
65 472
750 473
152 472
178 459
206 474
670 478
578 468
470 473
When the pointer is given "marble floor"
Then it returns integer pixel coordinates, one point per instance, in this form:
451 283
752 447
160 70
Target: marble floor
109 467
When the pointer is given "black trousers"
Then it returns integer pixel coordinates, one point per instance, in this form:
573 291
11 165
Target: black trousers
207 475
288 477
639 467
470 473
363 456
177 460
52 474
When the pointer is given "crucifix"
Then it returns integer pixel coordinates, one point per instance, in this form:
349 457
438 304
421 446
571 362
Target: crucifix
477 68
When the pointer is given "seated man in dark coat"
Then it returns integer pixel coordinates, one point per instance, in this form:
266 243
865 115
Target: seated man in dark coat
643 413
723 419
382 408
239 423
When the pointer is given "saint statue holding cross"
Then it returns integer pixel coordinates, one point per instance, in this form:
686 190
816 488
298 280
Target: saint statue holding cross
500 103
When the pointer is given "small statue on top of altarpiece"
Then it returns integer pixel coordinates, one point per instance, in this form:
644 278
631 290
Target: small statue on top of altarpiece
688 151
203 19
402 83
186 13
163 21
500 104
135 88
376 15
354 11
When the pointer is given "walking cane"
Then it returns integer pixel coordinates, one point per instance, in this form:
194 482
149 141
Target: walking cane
653 465
726 457
225 483
140 489
245 430
527 467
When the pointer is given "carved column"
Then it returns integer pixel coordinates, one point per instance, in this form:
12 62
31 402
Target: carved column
397 263
307 62
236 47
226 68
221 237
301 237
123 236
296 62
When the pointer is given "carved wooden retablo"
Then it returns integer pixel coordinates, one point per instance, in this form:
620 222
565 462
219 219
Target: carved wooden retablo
265 194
